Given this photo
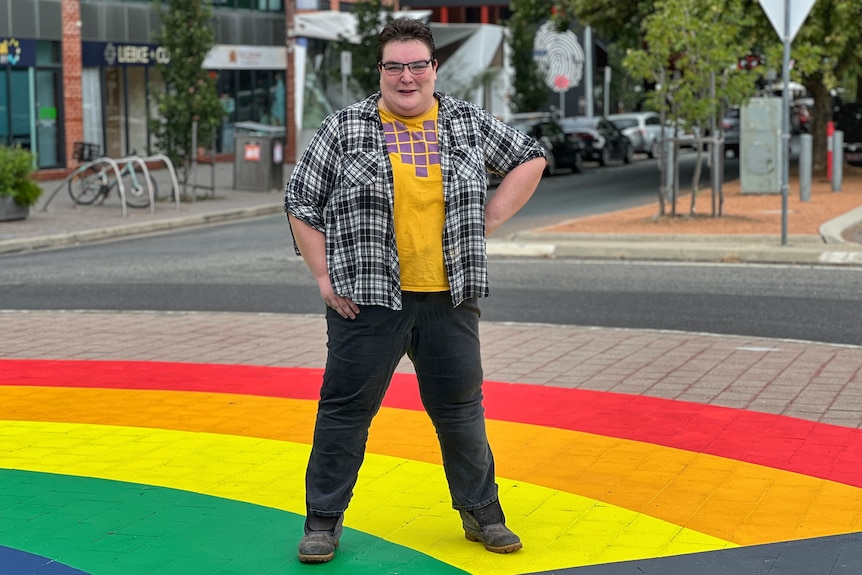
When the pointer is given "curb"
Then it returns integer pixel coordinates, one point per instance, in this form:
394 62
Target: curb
800 250
833 230
826 249
136 229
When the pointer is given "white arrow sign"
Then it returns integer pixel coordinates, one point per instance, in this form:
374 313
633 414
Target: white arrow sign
799 10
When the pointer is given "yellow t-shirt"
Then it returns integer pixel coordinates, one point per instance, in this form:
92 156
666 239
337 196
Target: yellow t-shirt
419 212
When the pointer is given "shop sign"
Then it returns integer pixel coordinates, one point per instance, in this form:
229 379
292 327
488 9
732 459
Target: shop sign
17 52
110 54
236 57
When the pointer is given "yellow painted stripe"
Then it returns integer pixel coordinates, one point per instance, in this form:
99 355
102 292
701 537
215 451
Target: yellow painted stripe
727 499
400 500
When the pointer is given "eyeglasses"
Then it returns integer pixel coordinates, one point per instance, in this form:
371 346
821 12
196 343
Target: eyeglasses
396 68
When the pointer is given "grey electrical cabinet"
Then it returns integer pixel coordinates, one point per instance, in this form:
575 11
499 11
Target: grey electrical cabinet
760 152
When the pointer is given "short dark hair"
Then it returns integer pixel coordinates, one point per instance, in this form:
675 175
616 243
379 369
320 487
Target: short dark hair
403 30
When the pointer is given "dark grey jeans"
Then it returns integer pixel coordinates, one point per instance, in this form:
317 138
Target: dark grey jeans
443 344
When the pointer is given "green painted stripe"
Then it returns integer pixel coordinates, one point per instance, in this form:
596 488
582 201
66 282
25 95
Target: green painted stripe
118 528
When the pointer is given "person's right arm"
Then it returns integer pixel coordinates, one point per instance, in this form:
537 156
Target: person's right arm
312 246
305 199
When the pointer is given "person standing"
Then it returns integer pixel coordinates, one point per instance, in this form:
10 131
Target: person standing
387 207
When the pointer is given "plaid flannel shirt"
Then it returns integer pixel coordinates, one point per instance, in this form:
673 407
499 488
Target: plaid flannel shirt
343 187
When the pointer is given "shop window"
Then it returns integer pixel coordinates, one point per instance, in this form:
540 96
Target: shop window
48 54
270 5
259 5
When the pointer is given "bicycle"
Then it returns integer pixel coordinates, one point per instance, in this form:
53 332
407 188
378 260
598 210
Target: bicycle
98 180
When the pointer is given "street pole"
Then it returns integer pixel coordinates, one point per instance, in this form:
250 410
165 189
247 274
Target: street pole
606 92
290 85
588 70
785 123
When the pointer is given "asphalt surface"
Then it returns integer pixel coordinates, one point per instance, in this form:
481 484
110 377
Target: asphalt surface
215 197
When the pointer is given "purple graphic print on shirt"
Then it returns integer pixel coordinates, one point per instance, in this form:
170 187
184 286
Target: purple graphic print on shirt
419 149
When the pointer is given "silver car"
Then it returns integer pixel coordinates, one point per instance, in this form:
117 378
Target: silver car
644 129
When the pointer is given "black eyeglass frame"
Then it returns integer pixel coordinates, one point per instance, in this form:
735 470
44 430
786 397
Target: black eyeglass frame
409 65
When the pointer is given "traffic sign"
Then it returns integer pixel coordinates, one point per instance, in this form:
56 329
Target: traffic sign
798 10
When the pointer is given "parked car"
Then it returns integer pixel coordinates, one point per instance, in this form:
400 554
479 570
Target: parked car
644 129
730 130
563 151
848 119
603 141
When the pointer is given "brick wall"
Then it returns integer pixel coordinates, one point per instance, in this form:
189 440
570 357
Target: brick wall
72 100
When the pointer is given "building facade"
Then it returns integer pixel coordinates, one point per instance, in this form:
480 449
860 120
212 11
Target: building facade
83 70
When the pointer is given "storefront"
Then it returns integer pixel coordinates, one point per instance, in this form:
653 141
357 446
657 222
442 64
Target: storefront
250 83
117 81
30 98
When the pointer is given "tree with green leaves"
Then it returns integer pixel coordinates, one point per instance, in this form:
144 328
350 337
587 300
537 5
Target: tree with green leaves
618 22
826 52
187 34
530 92
690 53
371 16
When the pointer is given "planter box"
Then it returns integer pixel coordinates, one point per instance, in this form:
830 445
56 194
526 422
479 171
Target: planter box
9 210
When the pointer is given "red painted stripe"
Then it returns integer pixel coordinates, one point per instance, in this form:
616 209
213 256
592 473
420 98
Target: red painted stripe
811 448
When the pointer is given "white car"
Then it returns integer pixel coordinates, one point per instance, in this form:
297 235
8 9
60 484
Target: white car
644 129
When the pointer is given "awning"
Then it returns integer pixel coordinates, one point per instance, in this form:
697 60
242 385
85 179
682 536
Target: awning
333 25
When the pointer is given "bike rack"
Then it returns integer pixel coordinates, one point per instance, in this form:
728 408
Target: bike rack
86 166
115 166
170 166
146 171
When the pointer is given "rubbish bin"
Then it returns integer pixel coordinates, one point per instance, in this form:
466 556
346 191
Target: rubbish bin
258 156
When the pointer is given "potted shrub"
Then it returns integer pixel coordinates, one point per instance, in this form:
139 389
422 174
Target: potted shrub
17 191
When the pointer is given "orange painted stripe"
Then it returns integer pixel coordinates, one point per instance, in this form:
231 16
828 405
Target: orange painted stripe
731 500
807 447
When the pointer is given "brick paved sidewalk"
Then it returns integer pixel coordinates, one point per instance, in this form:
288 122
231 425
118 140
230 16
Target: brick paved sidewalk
815 381
621 482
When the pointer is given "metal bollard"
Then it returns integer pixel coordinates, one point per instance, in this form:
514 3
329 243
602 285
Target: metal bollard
837 160
805 160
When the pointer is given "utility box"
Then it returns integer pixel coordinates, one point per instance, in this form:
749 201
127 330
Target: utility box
258 157
760 153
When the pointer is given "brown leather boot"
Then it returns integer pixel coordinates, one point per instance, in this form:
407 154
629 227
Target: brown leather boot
488 525
321 538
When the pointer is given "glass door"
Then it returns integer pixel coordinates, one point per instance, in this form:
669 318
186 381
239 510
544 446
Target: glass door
47 128
15 119
114 113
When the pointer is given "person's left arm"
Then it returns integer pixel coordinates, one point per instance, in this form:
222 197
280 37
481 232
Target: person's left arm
519 160
512 193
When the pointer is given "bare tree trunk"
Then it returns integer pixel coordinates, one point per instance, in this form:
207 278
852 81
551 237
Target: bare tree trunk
822 116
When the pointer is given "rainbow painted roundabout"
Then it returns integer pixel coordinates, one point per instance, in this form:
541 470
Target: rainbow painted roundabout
132 468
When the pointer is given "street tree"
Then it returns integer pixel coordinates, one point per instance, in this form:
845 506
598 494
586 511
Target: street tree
689 53
190 96
826 51
371 16
617 22
529 90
